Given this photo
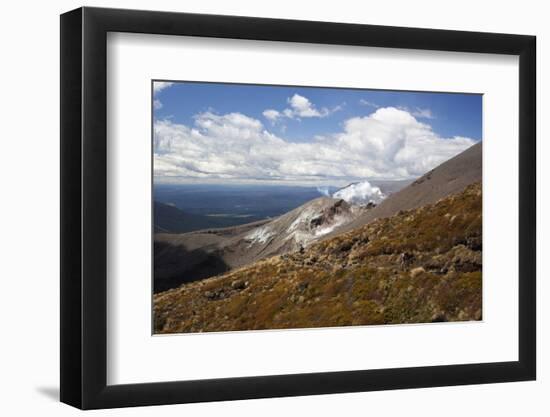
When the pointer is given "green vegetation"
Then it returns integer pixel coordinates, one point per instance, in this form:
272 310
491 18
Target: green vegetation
418 266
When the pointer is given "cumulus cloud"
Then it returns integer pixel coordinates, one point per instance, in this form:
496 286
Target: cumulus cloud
158 86
389 143
271 115
288 113
300 107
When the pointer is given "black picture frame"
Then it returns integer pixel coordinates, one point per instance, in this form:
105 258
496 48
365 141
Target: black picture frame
84 207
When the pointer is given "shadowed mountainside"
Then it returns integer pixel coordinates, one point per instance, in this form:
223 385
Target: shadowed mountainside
421 265
170 219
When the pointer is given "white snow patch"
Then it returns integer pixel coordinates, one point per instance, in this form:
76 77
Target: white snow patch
303 219
259 235
305 235
329 228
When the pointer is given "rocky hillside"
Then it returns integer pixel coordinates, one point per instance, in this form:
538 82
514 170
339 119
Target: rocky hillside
422 265
197 255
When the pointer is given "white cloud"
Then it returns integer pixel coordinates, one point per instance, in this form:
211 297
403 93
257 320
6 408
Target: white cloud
288 113
157 104
271 115
302 107
368 103
158 86
389 143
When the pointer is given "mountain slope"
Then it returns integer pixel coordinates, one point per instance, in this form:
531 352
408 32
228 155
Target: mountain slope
196 255
422 265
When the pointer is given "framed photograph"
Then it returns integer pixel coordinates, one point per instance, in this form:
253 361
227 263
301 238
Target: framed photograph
257 208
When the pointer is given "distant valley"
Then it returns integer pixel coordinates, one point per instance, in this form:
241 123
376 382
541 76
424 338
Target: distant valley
189 207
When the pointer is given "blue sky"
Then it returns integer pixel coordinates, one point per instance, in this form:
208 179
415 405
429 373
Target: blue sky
451 114
398 134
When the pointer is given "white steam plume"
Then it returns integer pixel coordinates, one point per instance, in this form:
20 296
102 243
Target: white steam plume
324 191
360 193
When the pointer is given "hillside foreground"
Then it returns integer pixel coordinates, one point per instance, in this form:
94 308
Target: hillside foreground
421 265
